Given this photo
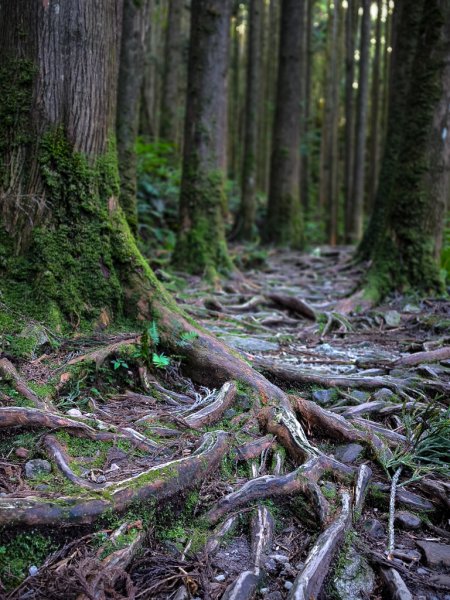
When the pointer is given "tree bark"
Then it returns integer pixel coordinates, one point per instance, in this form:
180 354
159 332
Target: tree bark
201 243
406 23
356 224
405 255
305 133
284 220
170 99
245 227
351 21
136 21
374 150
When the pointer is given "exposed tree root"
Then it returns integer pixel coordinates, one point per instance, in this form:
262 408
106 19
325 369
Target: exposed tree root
9 372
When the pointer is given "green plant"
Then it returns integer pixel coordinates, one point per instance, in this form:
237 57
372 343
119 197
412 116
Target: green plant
20 553
119 363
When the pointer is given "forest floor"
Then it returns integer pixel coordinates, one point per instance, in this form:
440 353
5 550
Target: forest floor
90 426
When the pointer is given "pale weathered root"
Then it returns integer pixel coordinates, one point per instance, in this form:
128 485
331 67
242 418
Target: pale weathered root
58 454
294 304
157 483
309 580
101 354
302 480
411 360
35 417
245 586
213 412
10 374
395 584
214 541
362 484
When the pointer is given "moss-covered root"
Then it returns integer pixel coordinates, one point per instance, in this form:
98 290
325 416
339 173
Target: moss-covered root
157 484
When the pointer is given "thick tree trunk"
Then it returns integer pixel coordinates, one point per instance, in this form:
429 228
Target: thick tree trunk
356 224
245 227
170 100
406 19
351 20
305 133
374 147
136 21
284 221
234 141
405 254
201 243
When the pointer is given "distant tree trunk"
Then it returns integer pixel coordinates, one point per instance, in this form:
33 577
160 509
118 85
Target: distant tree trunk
134 34
351 21
406 20
201 243
170 98
284 221
268 103
304 137
246 219
385 79
356 224
374 154
404 256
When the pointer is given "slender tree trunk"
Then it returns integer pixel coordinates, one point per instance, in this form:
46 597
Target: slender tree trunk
136 20
201 241
351 20
356 224
170 98
406 23
247 213
374 154
405 253
284 221
305 142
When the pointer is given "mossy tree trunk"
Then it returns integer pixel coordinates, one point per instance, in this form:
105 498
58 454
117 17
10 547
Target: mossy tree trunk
406 22
201 244
170 99
245 226
404 256
284 220
135 29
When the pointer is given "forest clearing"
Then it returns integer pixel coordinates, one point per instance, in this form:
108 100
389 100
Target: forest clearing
224 299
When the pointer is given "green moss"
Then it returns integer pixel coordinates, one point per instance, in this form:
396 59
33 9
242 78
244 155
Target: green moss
20 552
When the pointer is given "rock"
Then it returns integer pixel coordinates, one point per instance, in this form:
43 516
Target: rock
100 479
359 395
374 528
396 585
33 570
436 555
182 594
288 585
249 344
36 467
74 412
392 318
114 467
42 487
348 453
220 578
37 335
324 397
383 394
279 558
271 566
411 308
441 579
263 591
407 520
275 596
22 452
414 501
229 414
356 580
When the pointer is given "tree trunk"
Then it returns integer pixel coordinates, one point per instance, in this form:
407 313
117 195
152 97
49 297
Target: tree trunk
406 23
284 221
305 133
356 224
374 155
201 243
246 225
136 20
405 254
351 21
170 99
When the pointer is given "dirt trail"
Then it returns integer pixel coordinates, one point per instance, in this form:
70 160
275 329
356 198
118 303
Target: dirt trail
134 450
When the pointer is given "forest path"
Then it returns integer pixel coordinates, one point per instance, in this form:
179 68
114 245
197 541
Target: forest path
142 460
